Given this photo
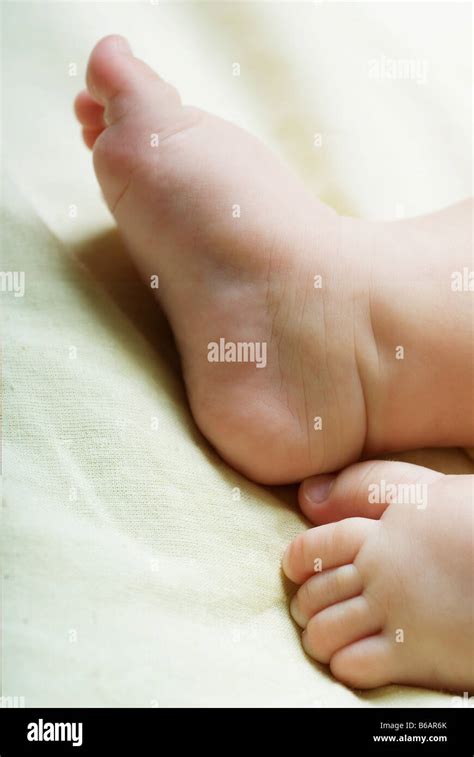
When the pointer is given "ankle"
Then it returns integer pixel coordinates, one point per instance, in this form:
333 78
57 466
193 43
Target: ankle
413 346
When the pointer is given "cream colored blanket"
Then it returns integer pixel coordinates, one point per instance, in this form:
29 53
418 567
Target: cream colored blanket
139 570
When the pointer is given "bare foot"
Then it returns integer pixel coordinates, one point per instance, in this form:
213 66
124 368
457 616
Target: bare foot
287 348
386 593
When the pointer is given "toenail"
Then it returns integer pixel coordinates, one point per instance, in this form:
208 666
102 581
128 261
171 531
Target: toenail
316 490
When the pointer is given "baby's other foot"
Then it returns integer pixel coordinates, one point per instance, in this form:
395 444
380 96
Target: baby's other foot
387 597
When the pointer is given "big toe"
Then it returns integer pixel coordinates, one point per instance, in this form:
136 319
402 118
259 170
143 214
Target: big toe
135 106
363 490
119 81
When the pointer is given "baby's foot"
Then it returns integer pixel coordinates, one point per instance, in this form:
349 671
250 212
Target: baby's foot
386 596
236 242
245 255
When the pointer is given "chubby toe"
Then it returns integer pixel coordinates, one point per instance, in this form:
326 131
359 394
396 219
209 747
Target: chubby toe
339 625
109 69
89 112
324 547
121 82
353 492
325 589
366 664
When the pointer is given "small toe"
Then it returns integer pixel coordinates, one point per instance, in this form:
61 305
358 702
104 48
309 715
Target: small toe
89 112
366 664
324 547
339 625
325 589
